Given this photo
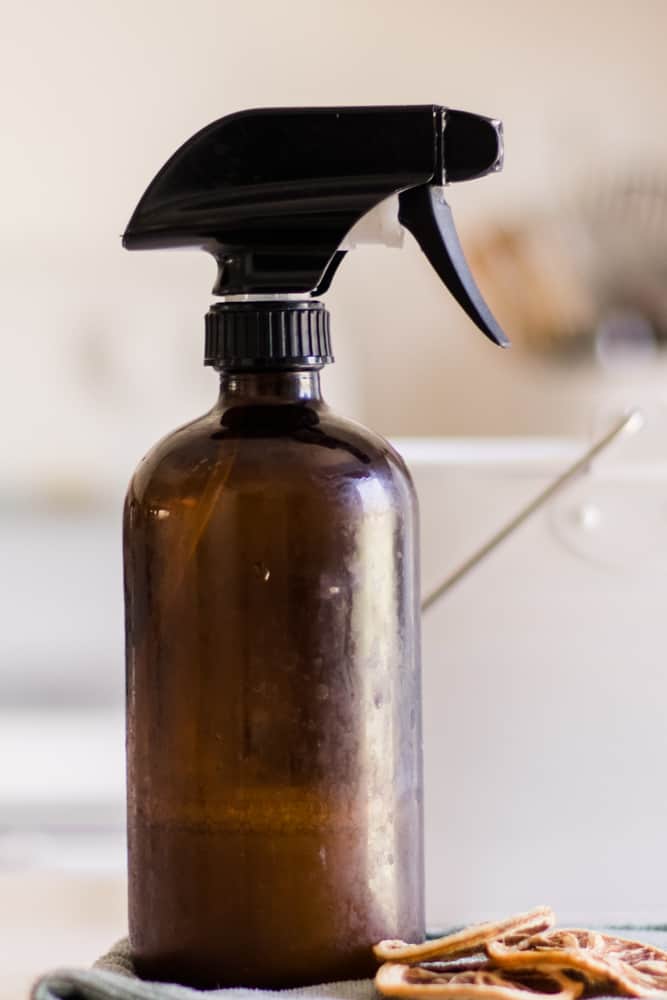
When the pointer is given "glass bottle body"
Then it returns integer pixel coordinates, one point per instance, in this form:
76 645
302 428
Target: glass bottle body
273 694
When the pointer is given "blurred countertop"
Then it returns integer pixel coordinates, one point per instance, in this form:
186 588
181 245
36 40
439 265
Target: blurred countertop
50 919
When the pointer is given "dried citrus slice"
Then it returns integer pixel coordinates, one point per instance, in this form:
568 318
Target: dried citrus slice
644 960
630 967
478 982
468 941
551 938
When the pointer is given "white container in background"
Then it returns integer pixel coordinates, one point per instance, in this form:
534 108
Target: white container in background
545 689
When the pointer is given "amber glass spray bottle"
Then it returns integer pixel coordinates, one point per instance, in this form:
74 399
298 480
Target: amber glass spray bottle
271 569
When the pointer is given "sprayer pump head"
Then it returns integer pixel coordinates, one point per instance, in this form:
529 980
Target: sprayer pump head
272 193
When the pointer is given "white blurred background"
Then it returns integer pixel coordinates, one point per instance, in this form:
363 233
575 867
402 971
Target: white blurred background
545 691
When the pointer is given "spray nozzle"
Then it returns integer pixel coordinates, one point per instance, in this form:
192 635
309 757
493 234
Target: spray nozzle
273 193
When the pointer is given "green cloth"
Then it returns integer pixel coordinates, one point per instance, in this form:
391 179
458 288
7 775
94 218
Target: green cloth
113 978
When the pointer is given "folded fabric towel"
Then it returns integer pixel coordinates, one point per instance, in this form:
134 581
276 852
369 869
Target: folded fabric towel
113 978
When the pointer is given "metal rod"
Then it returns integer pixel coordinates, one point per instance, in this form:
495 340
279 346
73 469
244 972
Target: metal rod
630 422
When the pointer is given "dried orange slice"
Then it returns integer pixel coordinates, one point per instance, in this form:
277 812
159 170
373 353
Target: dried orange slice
643 959
551 938
604 961
478 982
468 941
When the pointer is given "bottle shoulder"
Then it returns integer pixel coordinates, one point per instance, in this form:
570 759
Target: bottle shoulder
377 446
290 446
177 448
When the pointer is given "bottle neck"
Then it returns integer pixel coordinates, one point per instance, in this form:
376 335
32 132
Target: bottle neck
270 388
